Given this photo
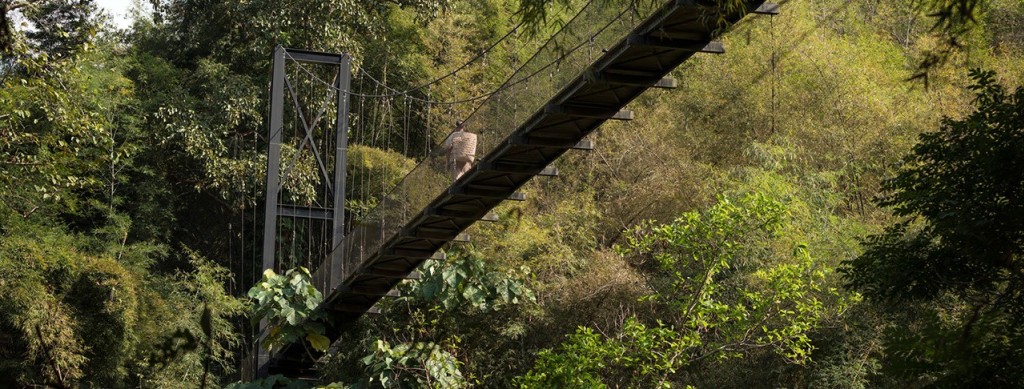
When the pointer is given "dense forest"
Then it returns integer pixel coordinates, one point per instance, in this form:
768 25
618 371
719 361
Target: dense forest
837 201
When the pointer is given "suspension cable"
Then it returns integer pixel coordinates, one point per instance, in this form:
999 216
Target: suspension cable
506 85
452 73
771 22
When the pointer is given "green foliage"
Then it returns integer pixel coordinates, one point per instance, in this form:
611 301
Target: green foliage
964 182
956 254
953 20
29 308
289 303
463 299
726 293
406 365
75 316
60 27
537 13
275 381
581 356
369 166
48 130
423 365
125 157
723 279
702 245
467 281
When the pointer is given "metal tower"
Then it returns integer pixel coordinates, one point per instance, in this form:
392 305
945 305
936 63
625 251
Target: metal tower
307 90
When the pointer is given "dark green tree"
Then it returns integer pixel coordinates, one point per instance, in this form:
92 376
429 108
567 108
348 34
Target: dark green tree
955 258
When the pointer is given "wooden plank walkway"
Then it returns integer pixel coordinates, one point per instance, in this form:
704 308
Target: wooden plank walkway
639 61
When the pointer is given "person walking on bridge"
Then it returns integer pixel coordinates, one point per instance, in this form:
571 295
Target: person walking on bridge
460 147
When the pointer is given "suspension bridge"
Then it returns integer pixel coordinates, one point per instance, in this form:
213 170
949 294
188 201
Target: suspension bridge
582 77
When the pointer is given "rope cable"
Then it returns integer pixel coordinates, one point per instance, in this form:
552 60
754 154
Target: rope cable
508 83
771 21
479 55
430 130
560 58
405 127
396 92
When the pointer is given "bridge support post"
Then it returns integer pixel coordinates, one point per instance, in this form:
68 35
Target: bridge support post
342 85
273 182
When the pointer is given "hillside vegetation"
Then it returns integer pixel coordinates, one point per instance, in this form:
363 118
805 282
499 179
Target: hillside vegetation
805 210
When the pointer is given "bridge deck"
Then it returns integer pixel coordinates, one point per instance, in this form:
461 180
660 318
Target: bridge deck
639 61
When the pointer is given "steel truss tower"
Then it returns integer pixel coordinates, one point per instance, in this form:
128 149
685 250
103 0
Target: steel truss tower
299 140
